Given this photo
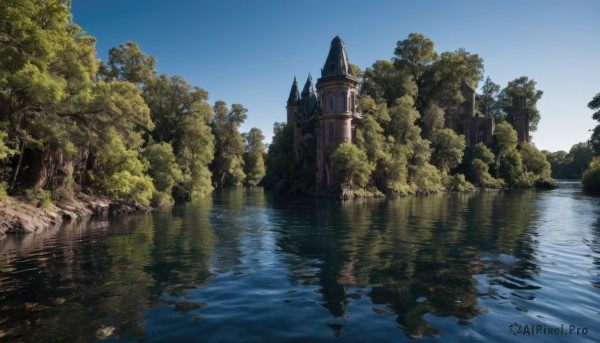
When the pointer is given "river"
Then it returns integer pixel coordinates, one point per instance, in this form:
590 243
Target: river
244 265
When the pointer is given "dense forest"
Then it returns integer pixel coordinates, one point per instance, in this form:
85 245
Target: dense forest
403 146
70 123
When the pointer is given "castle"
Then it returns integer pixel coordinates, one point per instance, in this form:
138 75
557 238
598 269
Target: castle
324 119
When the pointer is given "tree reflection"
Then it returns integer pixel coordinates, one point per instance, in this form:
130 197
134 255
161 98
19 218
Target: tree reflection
413 255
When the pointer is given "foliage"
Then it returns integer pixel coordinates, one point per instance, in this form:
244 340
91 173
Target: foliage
163 169
128 63
351 165
279 156
457 183
120 173
487 103
535 161
181 114
448 148
254 163
40 198
594 104
591 177
227 166
570 165
3 187
520 98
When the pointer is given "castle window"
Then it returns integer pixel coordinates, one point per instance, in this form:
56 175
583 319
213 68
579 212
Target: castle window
482 132
331 102
353 102
331 131
460 129
343 102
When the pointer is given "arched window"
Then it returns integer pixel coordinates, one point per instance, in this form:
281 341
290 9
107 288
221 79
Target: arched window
331 102
343 102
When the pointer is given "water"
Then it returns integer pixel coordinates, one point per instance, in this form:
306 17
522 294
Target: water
247 266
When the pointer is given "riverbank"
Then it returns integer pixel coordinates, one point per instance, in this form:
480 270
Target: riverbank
18 215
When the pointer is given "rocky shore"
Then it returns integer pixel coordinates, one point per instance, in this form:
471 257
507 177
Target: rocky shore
18 216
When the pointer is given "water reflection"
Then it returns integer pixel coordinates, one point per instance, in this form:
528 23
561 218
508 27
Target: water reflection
244 265
413 255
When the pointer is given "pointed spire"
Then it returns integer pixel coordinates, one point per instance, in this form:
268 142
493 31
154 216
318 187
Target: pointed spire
337 60
308 89
294 94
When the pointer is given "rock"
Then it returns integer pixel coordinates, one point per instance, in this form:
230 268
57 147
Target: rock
105 332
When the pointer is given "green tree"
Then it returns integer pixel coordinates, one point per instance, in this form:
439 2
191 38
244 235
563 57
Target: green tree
128 63
182 114
535 162
351 165
254 163
591 177
487 101
279 159
509 164
520 98
594 104
164 171
120 173
384 82
227 166
448 149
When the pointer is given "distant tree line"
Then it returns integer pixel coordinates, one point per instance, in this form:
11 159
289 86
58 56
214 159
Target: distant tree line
71 123
403 145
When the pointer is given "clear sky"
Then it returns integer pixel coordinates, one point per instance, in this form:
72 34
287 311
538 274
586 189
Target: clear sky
248 51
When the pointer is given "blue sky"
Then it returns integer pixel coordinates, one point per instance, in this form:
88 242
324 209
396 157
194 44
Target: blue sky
249 51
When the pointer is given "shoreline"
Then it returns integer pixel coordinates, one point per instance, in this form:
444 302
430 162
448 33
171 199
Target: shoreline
18 216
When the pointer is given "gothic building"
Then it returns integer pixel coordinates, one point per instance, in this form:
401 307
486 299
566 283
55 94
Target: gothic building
326 118
467 121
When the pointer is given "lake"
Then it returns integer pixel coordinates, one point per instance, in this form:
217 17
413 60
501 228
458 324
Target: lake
244 265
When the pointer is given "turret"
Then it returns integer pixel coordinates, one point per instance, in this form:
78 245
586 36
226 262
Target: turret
292 103
337 60
337 90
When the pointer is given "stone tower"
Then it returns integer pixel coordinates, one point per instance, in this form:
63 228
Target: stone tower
337 93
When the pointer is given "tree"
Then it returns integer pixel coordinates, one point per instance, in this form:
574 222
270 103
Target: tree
254 163
594 104
415 54
129 63
351 165
591 177
487 103
164 171
385 82
279 157
535 162
448 148
120 173
520 98
509 164
442 81
182 114
227 166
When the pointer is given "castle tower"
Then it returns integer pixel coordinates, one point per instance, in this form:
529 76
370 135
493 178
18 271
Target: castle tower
292 103
337 90
292 108
520 120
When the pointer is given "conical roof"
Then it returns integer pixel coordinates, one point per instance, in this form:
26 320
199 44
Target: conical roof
337 60
294 94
